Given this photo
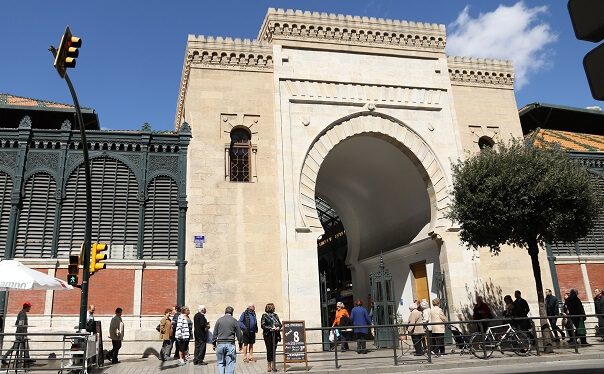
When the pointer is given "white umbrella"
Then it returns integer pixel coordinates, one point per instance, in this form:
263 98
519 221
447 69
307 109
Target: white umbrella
16 276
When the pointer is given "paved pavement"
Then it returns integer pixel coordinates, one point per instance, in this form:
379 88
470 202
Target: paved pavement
377 361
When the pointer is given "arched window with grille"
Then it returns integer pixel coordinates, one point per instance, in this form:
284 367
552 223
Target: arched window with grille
161 220
240 155
6 186
37 217
115 209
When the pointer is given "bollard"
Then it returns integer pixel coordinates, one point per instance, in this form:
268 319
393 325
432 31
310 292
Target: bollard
335 351
575 338
534 332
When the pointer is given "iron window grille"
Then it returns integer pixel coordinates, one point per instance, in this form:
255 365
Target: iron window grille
241 157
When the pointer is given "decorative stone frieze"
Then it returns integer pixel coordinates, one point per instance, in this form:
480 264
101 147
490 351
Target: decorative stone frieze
351 30
228 53
481 72
427 98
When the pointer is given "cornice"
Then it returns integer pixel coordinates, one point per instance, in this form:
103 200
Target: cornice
221 53
352 30
480 72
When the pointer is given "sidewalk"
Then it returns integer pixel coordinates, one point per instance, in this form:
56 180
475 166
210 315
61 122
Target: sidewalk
377 361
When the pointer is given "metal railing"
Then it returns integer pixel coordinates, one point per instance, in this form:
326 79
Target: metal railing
62 352
475 338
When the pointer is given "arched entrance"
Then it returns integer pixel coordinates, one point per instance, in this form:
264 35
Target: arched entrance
387 188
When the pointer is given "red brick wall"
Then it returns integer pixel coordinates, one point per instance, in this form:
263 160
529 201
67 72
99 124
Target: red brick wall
159 291
595 272
108 289
571 276
36 298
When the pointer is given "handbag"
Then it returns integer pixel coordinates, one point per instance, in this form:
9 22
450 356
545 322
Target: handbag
158 328
581 330
331 336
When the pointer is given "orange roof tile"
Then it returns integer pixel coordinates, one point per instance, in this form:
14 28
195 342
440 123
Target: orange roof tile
566 140
11 100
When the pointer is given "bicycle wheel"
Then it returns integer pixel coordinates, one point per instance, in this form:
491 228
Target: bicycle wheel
521 344
479 346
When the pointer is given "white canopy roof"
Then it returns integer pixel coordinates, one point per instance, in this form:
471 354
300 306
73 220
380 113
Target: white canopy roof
16 276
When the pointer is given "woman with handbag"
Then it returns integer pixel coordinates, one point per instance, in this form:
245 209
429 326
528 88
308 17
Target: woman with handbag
165 328
271 327
341 313
576 314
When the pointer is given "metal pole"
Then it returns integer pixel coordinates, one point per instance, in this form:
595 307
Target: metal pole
88 227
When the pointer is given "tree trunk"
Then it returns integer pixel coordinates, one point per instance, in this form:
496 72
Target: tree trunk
546 342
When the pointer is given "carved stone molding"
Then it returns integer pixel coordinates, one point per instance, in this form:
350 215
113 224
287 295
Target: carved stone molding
428 98
226 53
481 72
351 30
230 121
478 131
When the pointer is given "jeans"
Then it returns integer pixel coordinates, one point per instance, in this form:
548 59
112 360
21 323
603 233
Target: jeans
226 356
270 342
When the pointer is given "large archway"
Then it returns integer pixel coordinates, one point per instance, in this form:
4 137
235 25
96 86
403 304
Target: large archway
388 190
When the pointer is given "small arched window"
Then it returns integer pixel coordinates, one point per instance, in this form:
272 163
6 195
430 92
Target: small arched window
485 142
240 155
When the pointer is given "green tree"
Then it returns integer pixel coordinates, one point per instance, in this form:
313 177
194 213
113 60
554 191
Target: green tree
522 196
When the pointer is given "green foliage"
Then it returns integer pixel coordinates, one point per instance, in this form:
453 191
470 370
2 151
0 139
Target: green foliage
517 193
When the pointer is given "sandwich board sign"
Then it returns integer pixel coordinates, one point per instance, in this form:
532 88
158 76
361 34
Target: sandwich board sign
294 343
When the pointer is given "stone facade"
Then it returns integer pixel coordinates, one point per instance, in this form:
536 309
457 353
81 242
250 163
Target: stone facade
308 88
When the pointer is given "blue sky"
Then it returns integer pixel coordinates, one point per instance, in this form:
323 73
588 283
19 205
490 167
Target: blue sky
131 59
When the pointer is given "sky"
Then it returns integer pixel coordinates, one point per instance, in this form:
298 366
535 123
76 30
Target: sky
132 53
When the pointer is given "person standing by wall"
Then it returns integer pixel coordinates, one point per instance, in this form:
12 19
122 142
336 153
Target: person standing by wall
360 317
226 330
249 326
165 330
271 327
551 308
116 333
438 331
201 334
599 304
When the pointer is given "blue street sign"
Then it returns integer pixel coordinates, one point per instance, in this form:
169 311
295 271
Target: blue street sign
199 240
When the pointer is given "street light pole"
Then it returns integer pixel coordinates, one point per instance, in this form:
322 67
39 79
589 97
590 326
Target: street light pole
88 227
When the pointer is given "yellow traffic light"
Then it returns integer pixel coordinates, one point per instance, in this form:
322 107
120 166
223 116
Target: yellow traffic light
96 257
73 269
67 52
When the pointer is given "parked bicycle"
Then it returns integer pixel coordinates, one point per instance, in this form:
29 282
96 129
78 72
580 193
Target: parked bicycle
483 345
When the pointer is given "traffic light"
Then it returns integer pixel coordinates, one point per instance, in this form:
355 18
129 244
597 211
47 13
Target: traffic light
97 257
67 52
73 269
588 23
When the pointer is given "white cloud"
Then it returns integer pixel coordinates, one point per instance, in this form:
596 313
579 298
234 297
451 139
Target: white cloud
509 33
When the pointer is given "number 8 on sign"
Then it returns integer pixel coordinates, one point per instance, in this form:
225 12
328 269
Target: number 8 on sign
296 336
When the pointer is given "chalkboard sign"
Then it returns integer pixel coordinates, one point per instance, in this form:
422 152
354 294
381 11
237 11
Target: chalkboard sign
294 343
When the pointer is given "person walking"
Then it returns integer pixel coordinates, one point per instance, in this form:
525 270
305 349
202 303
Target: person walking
599 304
482 311
360 317
90 323
551 309
271 327
576 314
249 326
175 314
116 334
201 334
417 330
165 332
438 331
183 335
522 310
226 329
566 322
337 322
20 344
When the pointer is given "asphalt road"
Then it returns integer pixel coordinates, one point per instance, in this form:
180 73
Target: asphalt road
561 367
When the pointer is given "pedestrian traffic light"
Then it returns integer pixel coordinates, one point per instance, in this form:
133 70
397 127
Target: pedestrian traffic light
588 23
73 269
97 257
67 52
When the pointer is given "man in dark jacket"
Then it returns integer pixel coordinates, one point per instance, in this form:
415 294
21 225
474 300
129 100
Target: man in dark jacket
20 343
599 303
522 310
551 307
575 308
201 333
